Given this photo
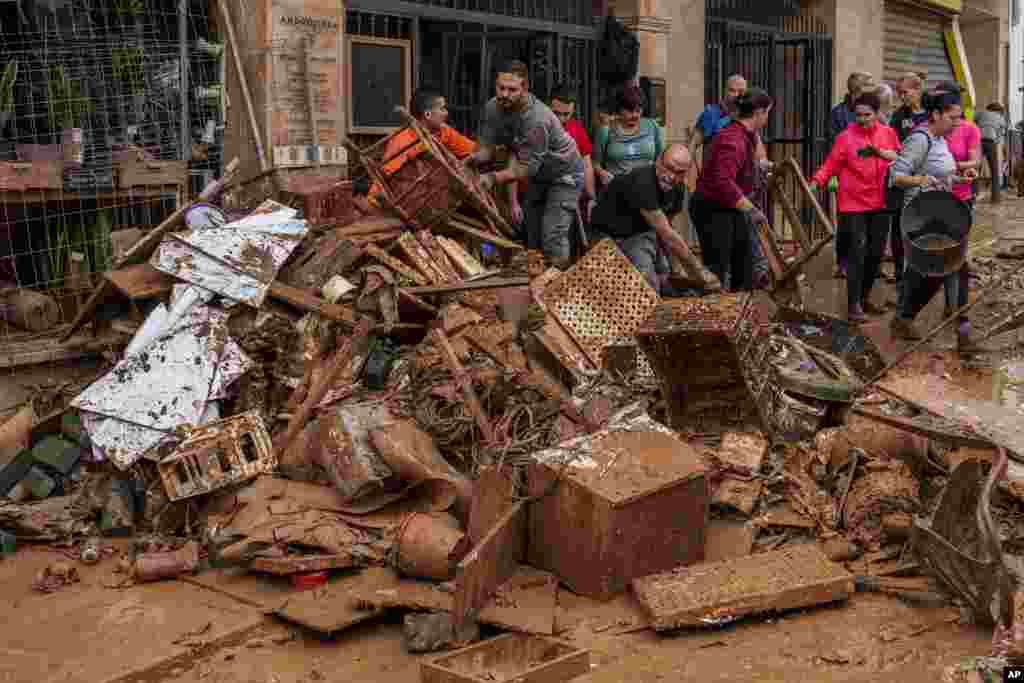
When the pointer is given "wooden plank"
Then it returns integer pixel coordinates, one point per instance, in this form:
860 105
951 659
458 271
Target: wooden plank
789 210
420 258
285 566
494 283
463 227
329 608
493 496
492 562
460 258
142 281
910 425
706 594
50 350
396 265
303 299
451 360
437 255
809 196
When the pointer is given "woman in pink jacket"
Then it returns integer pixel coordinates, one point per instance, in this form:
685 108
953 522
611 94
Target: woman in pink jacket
860 158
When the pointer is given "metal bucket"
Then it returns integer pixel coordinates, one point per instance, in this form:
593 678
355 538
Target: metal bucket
937 255
428 546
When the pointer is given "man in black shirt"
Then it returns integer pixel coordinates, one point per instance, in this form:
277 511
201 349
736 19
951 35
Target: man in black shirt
637 209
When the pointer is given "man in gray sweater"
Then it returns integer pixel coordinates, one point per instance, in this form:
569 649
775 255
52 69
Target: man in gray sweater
992 123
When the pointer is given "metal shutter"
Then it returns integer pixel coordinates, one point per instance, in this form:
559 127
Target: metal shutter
914 42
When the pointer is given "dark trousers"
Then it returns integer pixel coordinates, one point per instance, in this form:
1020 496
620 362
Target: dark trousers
866 233
725 243
896 245
988 149
548 212
921 288
842 246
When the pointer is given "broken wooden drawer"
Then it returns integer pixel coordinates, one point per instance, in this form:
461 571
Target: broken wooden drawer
134 173
629 503
510 657
719 592
18 176
217 455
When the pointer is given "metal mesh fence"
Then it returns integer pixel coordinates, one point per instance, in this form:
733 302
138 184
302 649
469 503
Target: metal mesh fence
110 117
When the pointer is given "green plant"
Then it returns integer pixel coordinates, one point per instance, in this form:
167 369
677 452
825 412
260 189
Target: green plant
67 106
129 68
129 8
7 80
92 241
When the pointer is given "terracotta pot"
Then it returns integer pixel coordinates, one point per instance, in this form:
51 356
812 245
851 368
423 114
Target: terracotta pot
428 545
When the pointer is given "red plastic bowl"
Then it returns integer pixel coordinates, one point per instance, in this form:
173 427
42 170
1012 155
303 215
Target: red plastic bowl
304 582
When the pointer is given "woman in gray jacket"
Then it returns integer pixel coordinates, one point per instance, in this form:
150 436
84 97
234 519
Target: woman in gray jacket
925 163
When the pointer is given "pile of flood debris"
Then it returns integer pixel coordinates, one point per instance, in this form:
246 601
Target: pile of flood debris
393 416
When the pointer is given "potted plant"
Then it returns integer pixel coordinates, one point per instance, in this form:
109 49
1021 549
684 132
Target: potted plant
10 75
129 68
67 108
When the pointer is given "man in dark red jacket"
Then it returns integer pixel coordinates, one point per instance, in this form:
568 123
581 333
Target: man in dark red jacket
720 210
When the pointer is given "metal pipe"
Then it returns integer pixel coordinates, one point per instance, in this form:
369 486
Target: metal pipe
186 128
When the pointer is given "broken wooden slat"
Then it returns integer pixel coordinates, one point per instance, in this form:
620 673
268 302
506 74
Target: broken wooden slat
437 255
451 359
303 299
910 425
710 593
809 196
396 265
285 566
419 257
460 258
493 283
494 494
339 362
492 562
368 225
790 211
49 350
141 281
458 224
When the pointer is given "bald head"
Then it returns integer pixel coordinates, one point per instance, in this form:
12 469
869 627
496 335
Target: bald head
672 166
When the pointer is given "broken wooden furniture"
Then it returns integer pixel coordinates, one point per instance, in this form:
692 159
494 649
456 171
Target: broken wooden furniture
616 505
429 186
717 593
218 455
696 347
601 302
961 546
784 288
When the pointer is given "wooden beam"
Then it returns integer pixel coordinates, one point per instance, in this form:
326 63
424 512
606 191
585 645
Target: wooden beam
303 299
496 283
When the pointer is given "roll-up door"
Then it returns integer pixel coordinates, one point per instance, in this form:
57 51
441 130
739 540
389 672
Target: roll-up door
914 42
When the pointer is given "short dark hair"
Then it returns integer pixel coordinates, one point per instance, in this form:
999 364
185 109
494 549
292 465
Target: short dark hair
514 66
752 100
868 99
630 98
423 101
940 100
563 93
995 106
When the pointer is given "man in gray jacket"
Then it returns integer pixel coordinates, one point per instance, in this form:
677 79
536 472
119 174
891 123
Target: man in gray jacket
544 153
992 123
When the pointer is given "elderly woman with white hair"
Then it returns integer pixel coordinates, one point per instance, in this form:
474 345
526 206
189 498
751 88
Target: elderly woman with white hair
887 96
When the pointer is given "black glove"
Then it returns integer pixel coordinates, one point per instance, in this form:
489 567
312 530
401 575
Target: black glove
361 185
